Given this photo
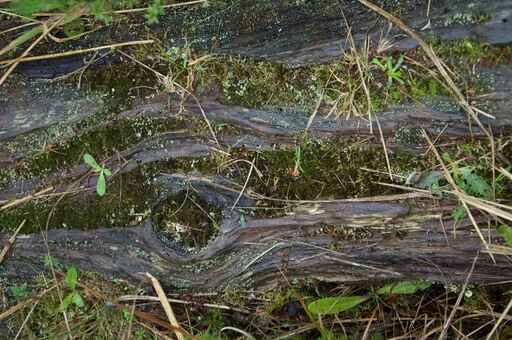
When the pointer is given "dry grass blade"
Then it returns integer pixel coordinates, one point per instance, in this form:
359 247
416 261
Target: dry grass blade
22 38
14 63
442 336
126 298
505 173
27 198
166 305
502 317
238 330
76 52
10 242
245 185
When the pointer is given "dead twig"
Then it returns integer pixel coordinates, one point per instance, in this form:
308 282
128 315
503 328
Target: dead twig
27 198
166 305
10 242
75 52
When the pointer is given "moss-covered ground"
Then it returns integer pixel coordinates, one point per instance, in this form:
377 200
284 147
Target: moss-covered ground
316 169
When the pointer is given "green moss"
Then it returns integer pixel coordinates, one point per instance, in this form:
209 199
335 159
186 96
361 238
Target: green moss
188 220
102 142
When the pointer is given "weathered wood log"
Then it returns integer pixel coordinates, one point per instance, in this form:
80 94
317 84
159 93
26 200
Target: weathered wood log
295 32
253 129
363 240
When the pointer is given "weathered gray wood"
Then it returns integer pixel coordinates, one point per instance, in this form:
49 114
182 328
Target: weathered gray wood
296 33
399 244
29 105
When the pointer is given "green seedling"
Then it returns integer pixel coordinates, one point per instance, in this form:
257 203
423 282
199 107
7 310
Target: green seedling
73 296
20 291
101 170
392 70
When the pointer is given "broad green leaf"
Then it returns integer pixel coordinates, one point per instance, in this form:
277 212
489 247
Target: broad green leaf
71 278
506 233
334 305
29 7
406 287
78 300
67 301
22 38
89 160
101 184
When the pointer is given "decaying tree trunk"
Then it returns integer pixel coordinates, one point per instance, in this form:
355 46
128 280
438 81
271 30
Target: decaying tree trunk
293 32
359 240
401 237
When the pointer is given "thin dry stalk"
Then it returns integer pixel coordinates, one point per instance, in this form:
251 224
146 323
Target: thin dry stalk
462 196
182 302
245 185
75 52
16 62
166 305
442 336
27 198
238 330
10 242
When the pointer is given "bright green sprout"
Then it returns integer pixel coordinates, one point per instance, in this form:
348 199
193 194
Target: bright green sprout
392 71
101 170
73 296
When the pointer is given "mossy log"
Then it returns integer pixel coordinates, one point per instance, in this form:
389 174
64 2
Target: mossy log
292 32
359 240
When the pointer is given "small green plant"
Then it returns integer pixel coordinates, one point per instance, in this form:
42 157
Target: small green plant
73 296
155 10
335 305
20 291
101 170
50 261
392 70
470 182
506 233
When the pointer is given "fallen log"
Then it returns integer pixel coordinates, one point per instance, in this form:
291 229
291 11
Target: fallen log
364 240
294 33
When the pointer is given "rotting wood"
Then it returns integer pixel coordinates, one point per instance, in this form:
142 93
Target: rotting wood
296 33
398 245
